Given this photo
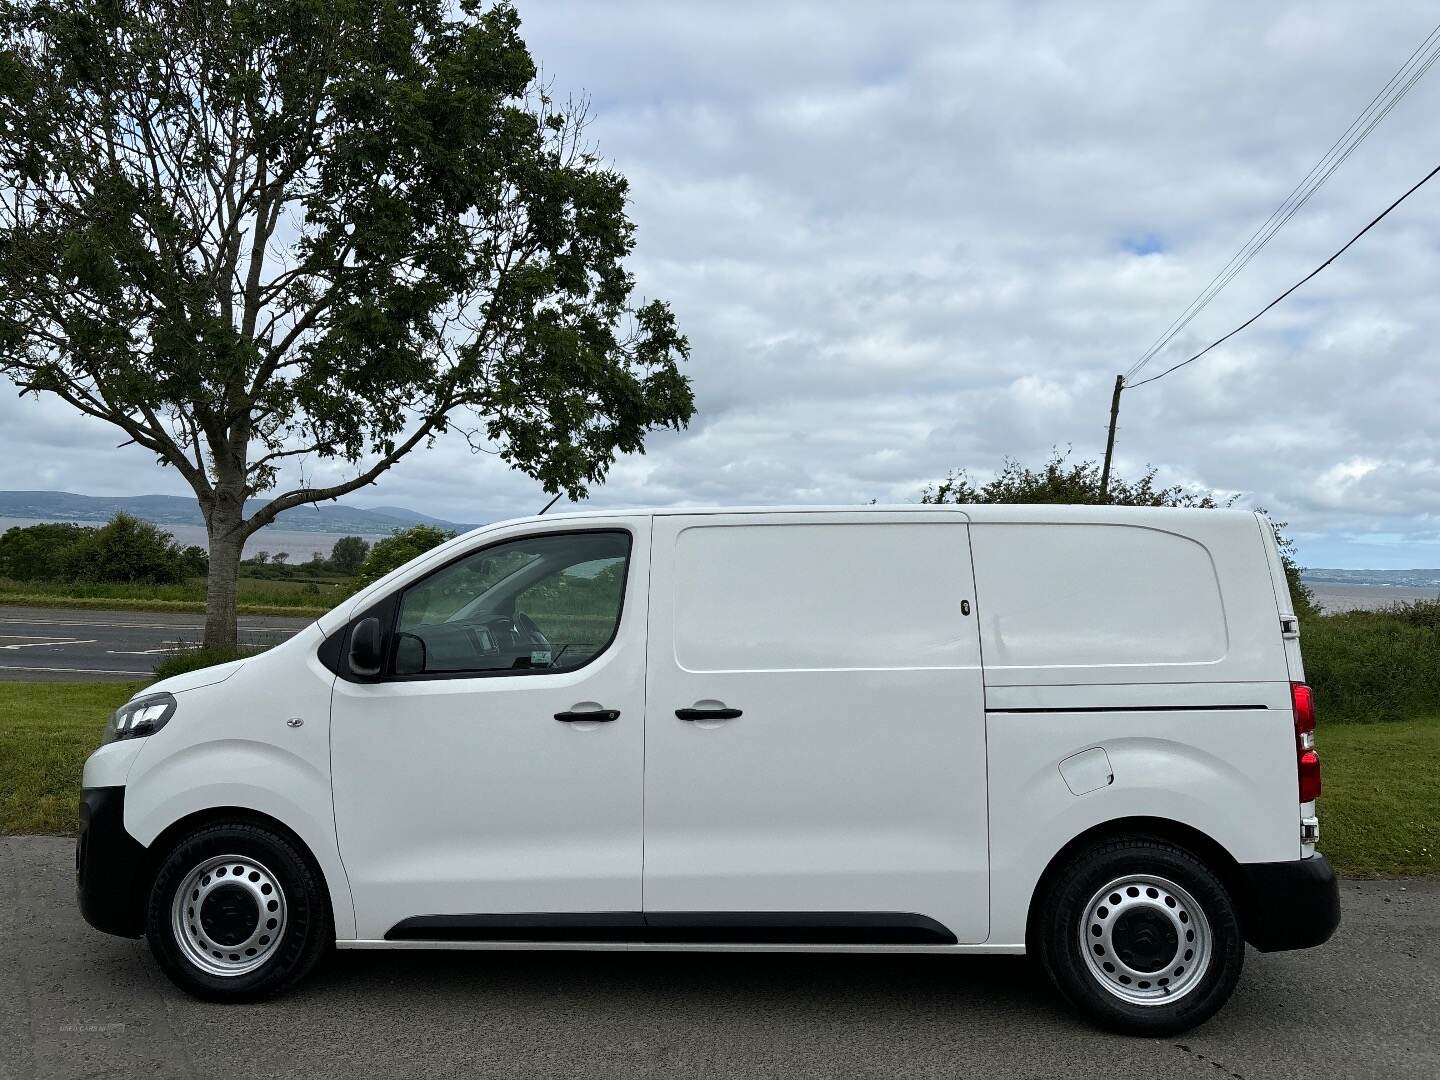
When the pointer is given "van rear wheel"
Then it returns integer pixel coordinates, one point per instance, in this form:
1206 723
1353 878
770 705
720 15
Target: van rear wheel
237 913
1141 936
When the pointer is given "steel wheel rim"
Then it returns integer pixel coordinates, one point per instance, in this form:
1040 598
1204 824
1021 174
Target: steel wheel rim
1127 931
229 915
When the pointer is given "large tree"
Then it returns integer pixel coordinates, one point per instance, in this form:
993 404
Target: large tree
271 239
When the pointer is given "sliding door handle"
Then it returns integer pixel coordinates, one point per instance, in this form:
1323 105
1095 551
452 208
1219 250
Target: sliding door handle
588 716
719 713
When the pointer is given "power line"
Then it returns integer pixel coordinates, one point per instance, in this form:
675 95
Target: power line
1379 107
1122 384
1378 218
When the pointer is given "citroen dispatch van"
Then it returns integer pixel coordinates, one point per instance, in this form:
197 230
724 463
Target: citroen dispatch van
1078 732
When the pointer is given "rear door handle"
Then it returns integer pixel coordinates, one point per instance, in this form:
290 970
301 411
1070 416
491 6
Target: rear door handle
708 714
588 716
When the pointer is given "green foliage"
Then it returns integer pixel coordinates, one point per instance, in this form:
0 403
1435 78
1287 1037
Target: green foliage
181 661
255 597
125 549
194 561
1374 665
348 555
38 552
449 241
399 548
1060 480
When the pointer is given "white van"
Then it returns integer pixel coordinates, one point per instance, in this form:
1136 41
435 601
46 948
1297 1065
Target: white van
1078 732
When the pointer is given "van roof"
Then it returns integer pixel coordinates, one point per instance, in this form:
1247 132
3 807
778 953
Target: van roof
979 512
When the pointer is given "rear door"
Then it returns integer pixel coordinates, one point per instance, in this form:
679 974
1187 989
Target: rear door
815 730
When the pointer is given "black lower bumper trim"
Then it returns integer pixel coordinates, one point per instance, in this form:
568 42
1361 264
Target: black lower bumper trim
683 927
1290 905
109 865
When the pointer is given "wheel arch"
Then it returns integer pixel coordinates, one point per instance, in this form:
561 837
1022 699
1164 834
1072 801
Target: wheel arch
1210 851
177 831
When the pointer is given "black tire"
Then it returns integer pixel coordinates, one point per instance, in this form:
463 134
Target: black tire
1068 912
305 926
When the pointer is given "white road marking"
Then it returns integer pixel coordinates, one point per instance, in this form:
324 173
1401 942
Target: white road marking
179 646
42 644
75 670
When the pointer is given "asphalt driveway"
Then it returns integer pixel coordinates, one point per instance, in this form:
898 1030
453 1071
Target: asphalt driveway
75 1003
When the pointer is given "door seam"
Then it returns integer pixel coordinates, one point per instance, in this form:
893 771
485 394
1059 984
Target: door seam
645 711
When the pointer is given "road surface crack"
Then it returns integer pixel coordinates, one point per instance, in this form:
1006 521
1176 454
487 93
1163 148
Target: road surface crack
1218 1066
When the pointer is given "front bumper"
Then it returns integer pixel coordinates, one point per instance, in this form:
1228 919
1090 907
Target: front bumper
1290 905
109 865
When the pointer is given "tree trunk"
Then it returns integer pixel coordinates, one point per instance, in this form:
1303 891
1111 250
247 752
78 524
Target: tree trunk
227 540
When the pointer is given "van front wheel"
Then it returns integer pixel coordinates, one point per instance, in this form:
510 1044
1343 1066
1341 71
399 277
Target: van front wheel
1142 936
237 913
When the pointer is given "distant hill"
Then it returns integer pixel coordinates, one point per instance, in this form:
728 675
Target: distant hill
414 517
330 518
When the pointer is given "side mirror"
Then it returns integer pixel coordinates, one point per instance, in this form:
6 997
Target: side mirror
366 653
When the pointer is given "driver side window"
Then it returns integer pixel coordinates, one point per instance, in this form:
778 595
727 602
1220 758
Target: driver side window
544 603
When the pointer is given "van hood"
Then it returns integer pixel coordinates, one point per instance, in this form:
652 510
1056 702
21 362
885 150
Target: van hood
194 680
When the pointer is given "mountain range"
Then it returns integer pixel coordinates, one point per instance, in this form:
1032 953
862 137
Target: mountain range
331 518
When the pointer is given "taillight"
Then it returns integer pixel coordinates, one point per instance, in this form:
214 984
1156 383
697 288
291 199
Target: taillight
1302 700
1309 775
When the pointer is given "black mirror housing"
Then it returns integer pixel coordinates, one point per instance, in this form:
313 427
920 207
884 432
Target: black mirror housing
366 648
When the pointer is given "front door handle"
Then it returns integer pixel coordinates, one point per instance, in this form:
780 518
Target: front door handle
719 713
588 716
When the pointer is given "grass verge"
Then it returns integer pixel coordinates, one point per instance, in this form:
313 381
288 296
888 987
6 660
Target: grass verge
1376 815
257 596
107 603
47 730
1377 811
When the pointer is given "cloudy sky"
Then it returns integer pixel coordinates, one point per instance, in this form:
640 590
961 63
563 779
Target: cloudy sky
914 236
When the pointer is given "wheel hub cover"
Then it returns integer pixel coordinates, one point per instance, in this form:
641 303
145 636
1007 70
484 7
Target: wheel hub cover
1145 939
229 915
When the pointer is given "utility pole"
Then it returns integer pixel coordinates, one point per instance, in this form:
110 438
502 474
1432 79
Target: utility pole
1110 439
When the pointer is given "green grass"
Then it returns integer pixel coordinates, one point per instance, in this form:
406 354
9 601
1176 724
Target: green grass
1377 814
47 730
1377 810
257 596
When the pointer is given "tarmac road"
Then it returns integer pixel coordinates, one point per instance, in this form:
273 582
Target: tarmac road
75 1003
43 644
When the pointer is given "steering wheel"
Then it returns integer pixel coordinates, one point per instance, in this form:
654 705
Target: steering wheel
526 625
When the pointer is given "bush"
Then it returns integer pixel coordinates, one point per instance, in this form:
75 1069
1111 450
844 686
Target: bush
1374 665
195 561
39 552
348 555
194 659
399 548
126 549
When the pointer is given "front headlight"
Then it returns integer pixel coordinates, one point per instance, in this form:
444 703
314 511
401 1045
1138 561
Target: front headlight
143 716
